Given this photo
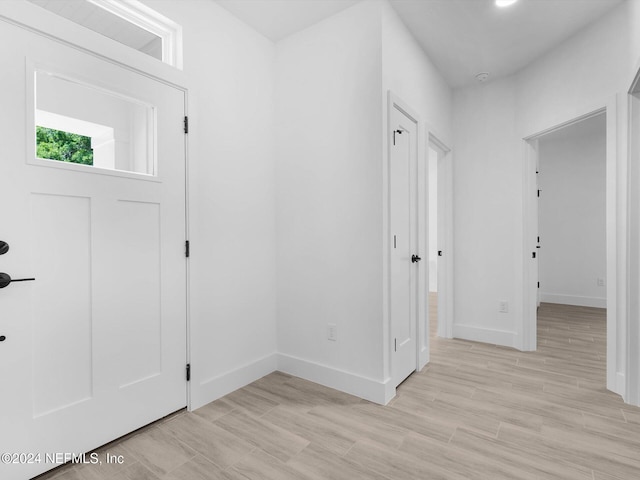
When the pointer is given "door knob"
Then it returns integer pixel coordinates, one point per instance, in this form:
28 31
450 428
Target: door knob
4 247
415 258
5 279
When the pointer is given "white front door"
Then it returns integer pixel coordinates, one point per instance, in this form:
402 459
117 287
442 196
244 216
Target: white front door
403 201
95 347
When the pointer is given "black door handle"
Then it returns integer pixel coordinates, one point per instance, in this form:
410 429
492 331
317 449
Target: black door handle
439 253
5 280
415 258
4 247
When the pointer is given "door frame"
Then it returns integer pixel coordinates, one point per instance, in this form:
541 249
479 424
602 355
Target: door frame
57 29
445 287
615 254
632 340
422 328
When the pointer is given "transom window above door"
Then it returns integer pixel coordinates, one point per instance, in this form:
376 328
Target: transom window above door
129 22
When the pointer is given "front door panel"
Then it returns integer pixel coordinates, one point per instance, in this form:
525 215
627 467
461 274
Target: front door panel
95 346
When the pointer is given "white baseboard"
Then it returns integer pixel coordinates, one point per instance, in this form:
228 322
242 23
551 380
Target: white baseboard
485 335
573 300
621 385
213 388
373 390
423 358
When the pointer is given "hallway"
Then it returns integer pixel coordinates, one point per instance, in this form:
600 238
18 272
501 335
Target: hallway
476 411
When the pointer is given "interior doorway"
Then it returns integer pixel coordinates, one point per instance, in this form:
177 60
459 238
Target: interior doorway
571 241
536 248
404 242
572 214
411 310
440 238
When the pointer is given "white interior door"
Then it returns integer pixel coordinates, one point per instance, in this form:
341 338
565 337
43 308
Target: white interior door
95 347
403 201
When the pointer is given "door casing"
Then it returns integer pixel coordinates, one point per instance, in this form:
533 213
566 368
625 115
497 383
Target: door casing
445 235
422 346
615 254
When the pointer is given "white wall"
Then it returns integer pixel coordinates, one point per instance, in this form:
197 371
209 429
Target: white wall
583 74
572 214
331 79
230 71
328 200
486 211
410 75
564 85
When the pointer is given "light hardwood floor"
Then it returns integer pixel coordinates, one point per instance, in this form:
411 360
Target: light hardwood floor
476 411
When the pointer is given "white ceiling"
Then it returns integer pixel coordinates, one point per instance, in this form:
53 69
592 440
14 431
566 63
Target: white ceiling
462 37
277 19
465 37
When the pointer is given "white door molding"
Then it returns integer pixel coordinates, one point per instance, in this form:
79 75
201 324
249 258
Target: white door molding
421 354
445 235
615 214
631 379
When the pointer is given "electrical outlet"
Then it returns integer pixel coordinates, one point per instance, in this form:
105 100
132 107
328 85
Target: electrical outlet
601 282
503 306
332 332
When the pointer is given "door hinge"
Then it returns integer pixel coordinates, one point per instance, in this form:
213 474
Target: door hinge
533 254
399 132
188 372
187 248
538 284
186 124
395 344
539 193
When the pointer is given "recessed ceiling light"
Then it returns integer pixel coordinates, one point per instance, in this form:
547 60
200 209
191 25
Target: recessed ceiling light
505 3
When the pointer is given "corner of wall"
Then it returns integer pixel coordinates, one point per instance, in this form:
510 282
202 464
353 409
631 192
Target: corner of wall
370 389
211 389
328 78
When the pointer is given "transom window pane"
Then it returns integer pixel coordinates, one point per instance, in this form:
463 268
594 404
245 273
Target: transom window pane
86 125
106 23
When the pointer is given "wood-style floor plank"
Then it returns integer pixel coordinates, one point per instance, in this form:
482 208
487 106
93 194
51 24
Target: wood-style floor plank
477 411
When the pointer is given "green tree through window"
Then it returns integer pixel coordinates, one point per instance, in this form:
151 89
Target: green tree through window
63 146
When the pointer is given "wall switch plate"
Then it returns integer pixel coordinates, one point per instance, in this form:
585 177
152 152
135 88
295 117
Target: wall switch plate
503 306
601 282
332 332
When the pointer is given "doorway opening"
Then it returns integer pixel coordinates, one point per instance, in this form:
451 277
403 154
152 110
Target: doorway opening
601 291
571 242
440 238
